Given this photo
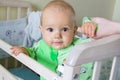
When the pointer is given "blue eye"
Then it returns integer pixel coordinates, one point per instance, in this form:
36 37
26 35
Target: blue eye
50 29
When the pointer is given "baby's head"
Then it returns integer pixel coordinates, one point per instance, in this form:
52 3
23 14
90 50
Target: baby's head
58 24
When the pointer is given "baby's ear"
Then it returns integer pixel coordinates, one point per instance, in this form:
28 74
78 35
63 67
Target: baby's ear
40 27
75 29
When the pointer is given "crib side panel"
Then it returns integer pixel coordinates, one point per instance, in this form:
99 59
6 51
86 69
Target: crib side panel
12 10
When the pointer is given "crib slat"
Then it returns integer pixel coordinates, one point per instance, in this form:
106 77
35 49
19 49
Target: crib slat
29 9
97 69
8 13
5 75
15 63
114 68
6 62
19 12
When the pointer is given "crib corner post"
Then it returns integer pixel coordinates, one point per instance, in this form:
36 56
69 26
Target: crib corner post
71 73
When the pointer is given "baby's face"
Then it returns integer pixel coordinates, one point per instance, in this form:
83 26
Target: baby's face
57 29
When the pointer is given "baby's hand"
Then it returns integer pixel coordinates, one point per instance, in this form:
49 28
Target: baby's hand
89 29
17 50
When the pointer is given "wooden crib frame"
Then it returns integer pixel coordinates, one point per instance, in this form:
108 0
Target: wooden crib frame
87 52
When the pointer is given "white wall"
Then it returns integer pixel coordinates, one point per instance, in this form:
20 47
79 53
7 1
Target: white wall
116 14
91 8
101 8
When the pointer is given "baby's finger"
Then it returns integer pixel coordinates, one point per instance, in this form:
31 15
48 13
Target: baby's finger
17 52
90 31
86 29
83 29
95 28
12 50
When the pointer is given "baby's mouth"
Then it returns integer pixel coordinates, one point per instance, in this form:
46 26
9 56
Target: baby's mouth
58 43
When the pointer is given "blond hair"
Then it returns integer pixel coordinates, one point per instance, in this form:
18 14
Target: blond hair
60 5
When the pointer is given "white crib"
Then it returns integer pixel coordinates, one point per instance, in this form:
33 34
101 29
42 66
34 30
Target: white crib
8 9
88 52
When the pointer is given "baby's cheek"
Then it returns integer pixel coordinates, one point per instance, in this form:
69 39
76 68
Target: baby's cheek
69 41
47 40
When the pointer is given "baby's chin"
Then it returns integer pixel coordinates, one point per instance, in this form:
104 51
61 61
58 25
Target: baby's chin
59 47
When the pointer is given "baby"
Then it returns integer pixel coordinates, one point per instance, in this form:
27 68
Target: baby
58 27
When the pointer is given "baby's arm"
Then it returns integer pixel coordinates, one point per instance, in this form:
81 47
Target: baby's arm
106 27
17 50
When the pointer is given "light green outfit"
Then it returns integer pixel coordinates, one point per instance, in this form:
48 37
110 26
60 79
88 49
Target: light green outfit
51 58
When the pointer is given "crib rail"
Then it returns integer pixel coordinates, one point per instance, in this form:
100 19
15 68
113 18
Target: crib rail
87 52
15 3
96 51
29 62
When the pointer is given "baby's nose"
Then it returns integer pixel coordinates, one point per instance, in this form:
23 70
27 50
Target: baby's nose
58 35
